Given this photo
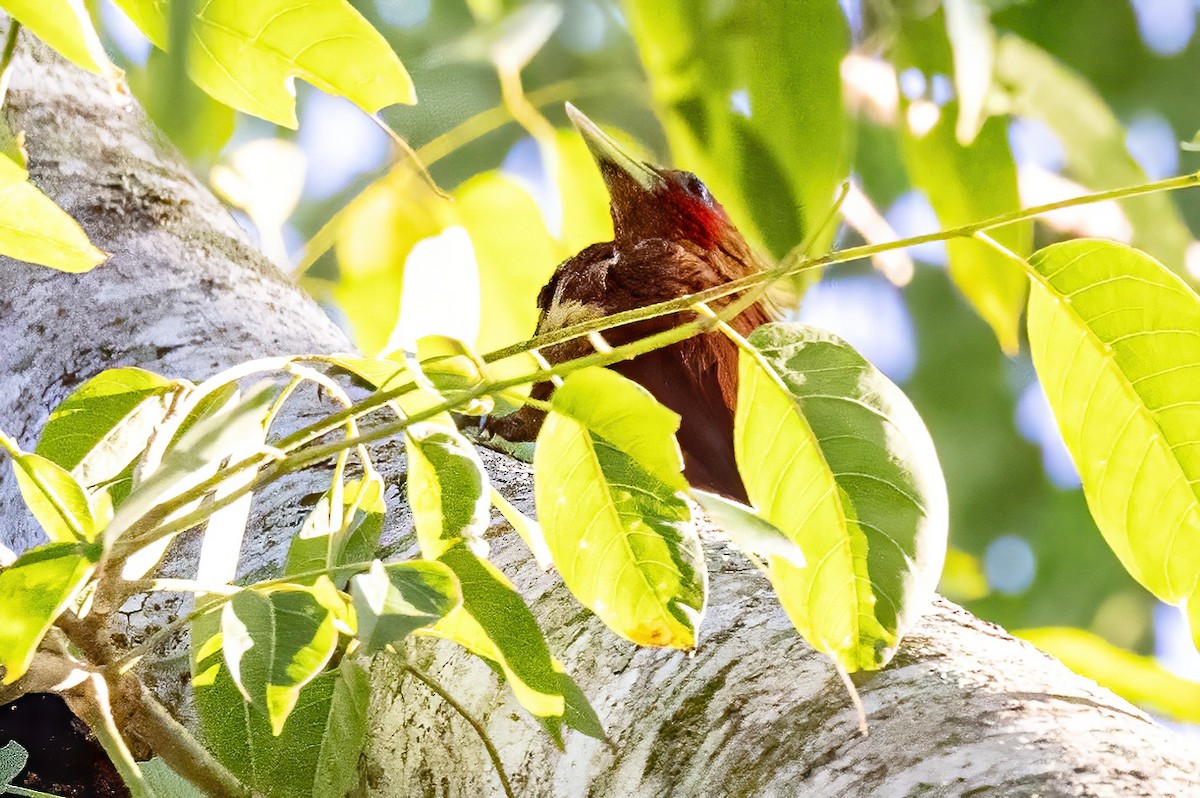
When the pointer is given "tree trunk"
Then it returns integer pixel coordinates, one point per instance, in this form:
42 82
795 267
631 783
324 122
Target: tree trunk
963 709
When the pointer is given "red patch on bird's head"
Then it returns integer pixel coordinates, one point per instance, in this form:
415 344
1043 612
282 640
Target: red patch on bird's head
692 209
678 207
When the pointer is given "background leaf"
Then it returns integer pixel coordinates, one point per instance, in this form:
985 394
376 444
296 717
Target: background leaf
1043 88
246 54
66 26
954 178
750 97
1138 679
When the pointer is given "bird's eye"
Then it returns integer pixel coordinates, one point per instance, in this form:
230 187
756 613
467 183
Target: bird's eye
696 188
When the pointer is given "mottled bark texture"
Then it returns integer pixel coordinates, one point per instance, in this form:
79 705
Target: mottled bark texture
964 709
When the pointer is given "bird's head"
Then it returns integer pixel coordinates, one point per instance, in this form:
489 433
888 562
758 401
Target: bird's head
650 202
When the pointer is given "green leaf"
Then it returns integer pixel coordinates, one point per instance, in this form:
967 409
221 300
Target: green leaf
166 783
317 752
200 447
1115 339
834 455
57 501
613 518
392 601
343 527
787 154
13 759
495 624
246 53
34 229
105 423
1136 678
65 26
1093 140
749 531
447 489
34 591
276 640
952 177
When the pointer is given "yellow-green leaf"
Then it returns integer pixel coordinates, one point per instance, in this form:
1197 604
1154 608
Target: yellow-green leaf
834 455
34 590
245 53
1135 678
57 501
1115 339
34 229
150 16
606 481
494 623
66 26
447 489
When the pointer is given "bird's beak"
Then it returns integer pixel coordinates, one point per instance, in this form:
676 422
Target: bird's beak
612 159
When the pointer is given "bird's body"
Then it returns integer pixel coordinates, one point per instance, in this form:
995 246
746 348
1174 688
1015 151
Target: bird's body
671 238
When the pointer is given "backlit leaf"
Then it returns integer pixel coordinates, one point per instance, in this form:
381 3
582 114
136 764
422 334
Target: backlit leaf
392 601
447 489
606 481
1136 678
749 531
494 623
199 449
57 501
1115 339
343 527
34 229
276 641
246 53
66 26
834 456
34 591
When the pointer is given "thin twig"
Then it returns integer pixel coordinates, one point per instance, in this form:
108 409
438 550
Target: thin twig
6 57
429 682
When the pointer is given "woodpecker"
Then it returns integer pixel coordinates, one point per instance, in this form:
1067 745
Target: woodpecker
671 238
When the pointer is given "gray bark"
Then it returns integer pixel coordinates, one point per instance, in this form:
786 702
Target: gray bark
963 710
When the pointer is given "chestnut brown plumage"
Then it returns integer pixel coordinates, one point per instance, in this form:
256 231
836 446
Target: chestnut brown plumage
671 238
